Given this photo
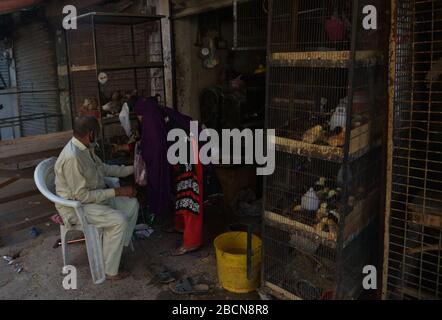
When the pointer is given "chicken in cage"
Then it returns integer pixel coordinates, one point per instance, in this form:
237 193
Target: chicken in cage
326 101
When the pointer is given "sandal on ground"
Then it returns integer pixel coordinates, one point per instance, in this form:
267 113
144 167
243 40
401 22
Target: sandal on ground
189 285
162 274
172 230
120 276
182 250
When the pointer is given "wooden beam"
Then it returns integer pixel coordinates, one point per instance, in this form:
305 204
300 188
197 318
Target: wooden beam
417 294
29 212
19 196
32 148
193 7
8 182
36 219
17 173
434 247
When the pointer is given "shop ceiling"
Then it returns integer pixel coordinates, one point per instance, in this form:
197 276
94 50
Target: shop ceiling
184 8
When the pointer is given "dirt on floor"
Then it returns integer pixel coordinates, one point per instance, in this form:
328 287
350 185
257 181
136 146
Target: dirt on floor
41 277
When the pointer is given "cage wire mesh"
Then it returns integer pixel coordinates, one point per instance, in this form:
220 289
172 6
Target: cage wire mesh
113 59
415 221
326 100
250 24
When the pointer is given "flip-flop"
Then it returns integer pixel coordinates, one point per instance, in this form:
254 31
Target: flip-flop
182 251
172 230
189 285
162 273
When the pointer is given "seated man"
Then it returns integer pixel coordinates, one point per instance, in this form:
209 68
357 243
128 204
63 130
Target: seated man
79 175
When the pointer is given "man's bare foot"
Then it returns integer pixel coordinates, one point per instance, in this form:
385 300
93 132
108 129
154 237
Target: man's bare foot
120 276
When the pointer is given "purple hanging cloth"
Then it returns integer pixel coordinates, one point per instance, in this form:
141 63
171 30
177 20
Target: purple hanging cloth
154 147
154 152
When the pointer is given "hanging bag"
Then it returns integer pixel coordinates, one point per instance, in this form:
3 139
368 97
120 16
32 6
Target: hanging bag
140 172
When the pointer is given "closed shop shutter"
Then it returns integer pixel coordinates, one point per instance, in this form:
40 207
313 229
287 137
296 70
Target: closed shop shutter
37 80
4 67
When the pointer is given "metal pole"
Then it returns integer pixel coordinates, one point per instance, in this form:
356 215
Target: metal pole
339 294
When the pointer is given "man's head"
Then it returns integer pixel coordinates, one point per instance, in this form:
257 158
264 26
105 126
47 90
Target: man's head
86 128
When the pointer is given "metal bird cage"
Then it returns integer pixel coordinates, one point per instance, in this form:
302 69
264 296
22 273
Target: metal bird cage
326 100
113 58
250 24
414 218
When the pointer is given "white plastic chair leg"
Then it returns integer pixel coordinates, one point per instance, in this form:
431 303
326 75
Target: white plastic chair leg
64 245
95 253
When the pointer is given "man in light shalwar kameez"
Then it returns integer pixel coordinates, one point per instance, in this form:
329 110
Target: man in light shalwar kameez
79 175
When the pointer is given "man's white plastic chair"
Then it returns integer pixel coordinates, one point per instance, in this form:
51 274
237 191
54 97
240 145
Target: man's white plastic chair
45 180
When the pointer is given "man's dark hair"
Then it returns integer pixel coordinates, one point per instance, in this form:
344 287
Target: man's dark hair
85 124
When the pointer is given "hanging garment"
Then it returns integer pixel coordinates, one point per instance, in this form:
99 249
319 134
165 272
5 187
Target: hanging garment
189 200
154 153
124 117
140 172
156 122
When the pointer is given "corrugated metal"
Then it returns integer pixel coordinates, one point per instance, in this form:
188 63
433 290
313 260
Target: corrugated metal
34 52
4 68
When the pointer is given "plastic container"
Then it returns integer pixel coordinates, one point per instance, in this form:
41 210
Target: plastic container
231 260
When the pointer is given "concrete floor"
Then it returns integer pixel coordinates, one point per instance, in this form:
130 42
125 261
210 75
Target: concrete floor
42 275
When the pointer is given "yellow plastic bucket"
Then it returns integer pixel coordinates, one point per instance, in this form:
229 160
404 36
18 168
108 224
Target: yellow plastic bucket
231 260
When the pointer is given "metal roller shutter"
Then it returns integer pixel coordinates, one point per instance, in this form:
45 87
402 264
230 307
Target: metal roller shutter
4 67
37 81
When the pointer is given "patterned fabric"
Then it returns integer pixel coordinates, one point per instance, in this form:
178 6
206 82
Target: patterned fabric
187 190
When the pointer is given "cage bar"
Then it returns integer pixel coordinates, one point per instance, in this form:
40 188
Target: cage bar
326 100
414 217
112 58
250 24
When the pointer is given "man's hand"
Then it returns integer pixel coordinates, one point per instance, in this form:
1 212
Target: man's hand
128 191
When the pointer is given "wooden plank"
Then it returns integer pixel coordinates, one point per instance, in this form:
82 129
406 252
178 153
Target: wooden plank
434 247
38 217
360 139
298 226
417 294
23 213
8 182
321 59
280 292
17 173
355 222
429 217
299 147
31 148
312 55
192 7
76 68
19 196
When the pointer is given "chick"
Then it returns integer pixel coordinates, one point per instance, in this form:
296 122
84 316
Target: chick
313 134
